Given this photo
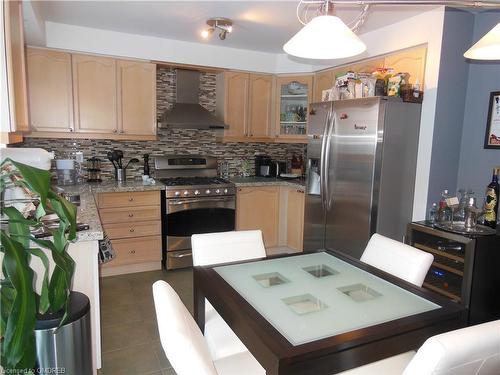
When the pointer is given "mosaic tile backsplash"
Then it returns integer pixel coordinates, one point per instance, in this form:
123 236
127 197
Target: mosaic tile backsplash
171 141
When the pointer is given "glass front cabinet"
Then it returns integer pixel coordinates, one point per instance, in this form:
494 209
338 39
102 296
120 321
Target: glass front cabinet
294 94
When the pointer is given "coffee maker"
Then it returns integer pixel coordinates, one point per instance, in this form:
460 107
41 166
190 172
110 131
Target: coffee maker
262 166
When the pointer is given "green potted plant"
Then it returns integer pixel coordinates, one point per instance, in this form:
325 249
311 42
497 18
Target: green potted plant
21 305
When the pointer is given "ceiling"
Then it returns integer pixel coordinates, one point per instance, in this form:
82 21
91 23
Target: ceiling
258 25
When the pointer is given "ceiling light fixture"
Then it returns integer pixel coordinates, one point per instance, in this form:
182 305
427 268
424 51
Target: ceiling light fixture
325 37
486 48
223 25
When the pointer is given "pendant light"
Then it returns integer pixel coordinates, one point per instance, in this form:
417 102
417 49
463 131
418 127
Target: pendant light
325 37
486 48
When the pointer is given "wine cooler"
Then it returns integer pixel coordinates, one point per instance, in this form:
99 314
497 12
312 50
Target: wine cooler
466 269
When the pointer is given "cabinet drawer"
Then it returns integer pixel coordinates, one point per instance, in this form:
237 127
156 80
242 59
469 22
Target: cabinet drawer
136 250
133 229
127 214
128 199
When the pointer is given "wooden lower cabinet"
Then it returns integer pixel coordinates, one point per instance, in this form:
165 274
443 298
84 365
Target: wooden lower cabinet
136 250
295 218
278 211
258 208
132 221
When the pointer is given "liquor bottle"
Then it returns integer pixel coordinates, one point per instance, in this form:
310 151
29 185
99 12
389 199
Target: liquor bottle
444 212
491 201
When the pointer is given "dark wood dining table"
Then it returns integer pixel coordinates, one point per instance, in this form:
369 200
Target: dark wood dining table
321 312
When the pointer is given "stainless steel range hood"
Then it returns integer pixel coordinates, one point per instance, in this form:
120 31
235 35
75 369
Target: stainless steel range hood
187 113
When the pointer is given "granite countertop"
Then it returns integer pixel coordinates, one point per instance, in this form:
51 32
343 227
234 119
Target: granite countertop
267 181
87 211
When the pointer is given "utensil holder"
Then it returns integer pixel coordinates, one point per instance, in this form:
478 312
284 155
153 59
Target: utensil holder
120 174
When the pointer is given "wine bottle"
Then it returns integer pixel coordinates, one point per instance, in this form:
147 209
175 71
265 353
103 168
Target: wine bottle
491 201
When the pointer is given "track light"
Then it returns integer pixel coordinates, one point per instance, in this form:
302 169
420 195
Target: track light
223 25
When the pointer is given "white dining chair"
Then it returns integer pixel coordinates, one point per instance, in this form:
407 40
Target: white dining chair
224 247
184 344
473 350
398 259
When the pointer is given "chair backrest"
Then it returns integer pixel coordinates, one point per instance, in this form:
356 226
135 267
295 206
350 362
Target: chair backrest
180 337
398 259
471 350
223 247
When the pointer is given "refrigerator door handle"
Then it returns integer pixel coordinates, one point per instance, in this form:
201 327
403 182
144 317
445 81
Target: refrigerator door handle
322 162
331 128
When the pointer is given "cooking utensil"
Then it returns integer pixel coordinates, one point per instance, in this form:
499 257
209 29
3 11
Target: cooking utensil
110 156
119 154
133 160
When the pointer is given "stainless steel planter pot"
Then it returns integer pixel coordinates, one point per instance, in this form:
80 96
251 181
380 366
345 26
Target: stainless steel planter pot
66 350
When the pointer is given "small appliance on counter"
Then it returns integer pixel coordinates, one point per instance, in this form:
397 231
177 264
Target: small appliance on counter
66 172
262 166
266 167
94 169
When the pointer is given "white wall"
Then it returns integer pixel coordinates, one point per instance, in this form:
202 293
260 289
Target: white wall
425 28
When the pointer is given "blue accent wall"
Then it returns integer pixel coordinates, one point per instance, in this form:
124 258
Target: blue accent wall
476 163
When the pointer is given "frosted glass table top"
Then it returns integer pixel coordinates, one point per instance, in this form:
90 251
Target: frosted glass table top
314 296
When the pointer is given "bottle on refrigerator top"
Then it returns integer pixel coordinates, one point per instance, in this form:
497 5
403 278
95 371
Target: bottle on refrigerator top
433 213
444 212
491 201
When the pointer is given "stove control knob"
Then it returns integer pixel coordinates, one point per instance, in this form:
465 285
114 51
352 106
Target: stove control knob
186 192
177 193
217 191
225 191
196 192
207 191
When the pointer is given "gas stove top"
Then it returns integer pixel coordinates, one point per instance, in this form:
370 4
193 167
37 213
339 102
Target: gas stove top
191 176
189 187
193 181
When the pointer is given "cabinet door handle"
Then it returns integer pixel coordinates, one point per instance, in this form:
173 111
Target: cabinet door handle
130 214
114 130
71 129
132 251
130 199
131 230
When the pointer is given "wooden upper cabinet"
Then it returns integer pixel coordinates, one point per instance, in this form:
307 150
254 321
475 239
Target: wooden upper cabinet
16 66
293 96
322 81
94 90
411 61
258 208
236 103
260 105
50 90
137 97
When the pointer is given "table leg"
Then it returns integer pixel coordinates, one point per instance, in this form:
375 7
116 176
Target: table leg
199 303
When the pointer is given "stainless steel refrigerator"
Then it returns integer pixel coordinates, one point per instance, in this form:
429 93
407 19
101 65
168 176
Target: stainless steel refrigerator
361 165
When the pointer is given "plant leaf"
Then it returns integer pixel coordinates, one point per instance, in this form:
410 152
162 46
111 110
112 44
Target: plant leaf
18 225
20 325
44 294
7 295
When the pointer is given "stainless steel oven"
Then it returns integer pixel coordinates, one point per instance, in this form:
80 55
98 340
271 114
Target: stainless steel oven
188 216
195 202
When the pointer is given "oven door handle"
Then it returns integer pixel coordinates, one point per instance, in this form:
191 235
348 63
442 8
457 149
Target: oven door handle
199 200
183 255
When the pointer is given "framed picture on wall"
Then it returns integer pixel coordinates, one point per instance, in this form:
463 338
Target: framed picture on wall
492 137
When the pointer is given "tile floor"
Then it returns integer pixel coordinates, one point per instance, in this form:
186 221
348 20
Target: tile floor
130 341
